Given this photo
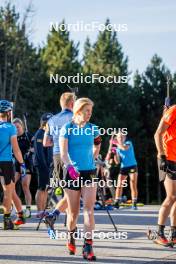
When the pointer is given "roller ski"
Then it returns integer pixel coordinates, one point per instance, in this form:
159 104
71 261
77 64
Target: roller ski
88 250
159 239
49 221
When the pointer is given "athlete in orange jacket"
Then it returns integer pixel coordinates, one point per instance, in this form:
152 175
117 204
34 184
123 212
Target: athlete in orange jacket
165 140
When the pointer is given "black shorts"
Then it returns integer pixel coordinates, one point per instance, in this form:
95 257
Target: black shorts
43 177
128 170
170 171
17 167
7 171
86 177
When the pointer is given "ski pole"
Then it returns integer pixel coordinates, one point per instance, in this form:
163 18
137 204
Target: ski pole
25 121
110 217
167 99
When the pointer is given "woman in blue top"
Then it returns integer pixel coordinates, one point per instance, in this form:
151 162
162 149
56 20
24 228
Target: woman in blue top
79 146
8 142
128 166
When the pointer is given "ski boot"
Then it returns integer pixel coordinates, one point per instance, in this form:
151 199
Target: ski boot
20 220
49 221
8 224
134 206
71 241
159 239
116 204
28 212
172 238
88 250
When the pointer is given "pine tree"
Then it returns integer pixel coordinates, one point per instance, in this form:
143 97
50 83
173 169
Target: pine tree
150 89
60 56
114 103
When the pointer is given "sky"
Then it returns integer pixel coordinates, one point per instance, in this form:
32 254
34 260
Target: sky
151 25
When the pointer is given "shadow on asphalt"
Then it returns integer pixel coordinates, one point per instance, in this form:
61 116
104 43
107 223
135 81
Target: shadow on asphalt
75 259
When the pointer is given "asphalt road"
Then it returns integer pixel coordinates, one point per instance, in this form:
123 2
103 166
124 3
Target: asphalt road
129 245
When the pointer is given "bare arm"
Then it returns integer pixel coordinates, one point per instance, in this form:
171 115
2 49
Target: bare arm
116 159
63 144
158 137
96 150
16 149
47 140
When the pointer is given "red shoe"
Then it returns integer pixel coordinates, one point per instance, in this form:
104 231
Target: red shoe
88 250
173 241
20 219
71 248
162 240
71 242
173 238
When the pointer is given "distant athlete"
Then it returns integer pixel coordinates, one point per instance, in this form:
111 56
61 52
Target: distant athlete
25 143
128 167
51 139
43 157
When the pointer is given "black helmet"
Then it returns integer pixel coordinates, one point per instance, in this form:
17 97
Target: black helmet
45 117
5 106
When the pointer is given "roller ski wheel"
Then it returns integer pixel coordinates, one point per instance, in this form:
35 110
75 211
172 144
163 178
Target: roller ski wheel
16 227
159 240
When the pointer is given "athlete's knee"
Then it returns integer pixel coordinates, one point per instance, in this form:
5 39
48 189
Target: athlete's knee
73 216
89 204
171 198
88 210
25 186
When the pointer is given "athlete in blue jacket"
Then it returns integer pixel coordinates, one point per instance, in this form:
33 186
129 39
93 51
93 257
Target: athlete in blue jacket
128 166
8 142
51 138
79 146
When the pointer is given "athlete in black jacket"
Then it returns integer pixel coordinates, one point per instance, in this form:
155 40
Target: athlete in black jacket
43 157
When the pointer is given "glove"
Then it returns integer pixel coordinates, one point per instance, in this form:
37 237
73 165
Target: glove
73 173
163 163
23 170
107 165
113 150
